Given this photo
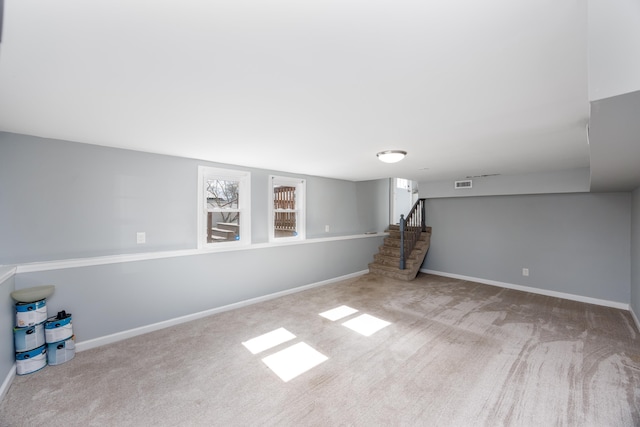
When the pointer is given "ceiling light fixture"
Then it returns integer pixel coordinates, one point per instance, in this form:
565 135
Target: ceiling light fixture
391 156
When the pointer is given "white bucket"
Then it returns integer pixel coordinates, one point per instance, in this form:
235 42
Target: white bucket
58 329
31 361
60 352
32 313
26 339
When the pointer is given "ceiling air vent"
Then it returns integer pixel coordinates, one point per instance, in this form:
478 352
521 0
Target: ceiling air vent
463 184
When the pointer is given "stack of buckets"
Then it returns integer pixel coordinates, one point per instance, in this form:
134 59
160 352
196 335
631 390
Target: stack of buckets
40 340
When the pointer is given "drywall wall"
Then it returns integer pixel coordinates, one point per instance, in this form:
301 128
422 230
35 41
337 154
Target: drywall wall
571 243
112 298
67 200
63 200
7 321
567 181
377 215
613 46
635 252
614 142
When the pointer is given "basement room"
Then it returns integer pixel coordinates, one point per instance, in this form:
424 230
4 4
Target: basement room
319 213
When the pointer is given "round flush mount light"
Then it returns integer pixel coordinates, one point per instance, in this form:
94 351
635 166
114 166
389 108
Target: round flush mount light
391 156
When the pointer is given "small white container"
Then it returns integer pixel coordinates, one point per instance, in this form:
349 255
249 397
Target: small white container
31 361
56 329
26 339
60 352
32 313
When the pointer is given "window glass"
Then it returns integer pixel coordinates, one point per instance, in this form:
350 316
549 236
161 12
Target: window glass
224 206
286 208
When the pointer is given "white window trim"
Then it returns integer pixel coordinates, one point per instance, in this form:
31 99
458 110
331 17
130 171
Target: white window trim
301 219
244 205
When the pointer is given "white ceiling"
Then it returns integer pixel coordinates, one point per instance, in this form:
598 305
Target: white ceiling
314 87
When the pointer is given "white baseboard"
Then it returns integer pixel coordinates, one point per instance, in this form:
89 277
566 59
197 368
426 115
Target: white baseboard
119 336
539 291
4 389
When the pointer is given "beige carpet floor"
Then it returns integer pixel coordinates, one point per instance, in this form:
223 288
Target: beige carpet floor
453 353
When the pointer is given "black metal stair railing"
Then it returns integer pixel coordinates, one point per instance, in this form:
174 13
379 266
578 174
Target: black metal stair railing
410 229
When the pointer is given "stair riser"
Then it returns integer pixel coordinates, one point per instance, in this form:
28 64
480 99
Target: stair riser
395 243
415 254
408 276
420 247
394 261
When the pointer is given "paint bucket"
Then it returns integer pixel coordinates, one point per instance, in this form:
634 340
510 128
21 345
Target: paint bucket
31 313
26 339
62 351
58 328
31 361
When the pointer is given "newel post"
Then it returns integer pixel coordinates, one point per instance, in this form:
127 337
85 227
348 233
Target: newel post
423 215
402 227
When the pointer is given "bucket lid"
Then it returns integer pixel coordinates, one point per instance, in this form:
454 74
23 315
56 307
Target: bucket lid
36 293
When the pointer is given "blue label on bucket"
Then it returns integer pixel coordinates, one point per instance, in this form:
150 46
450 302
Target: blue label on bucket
29 314
54 322
26 355
31 306
26 339
57 329
61 351
31 361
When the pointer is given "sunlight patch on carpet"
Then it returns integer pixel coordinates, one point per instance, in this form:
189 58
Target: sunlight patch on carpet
338 313
269 340
366 324
294 360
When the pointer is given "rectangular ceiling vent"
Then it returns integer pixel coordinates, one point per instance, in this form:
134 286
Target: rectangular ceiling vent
467 183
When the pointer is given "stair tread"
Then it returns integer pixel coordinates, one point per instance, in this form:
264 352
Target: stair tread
222 230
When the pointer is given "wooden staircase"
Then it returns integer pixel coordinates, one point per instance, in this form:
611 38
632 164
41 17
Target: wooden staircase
387 260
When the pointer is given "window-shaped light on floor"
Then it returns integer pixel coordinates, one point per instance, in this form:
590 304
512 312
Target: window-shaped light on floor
269 340
338 313
293 361
366 324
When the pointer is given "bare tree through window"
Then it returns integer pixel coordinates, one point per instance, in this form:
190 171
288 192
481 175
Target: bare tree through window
223 194
223 214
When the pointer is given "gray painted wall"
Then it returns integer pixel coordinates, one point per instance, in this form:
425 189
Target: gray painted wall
378 215
614 144
64 200
571 243
635 252
7 321
568 181
112 298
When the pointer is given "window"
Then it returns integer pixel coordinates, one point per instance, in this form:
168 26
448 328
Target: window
224 206
286 208
402 183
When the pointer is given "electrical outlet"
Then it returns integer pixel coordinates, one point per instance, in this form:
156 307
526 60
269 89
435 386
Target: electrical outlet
141 237
525 271
326 228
